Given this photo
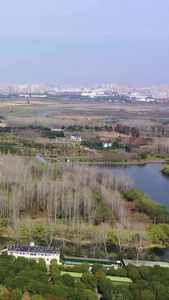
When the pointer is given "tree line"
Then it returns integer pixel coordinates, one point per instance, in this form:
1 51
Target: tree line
23 279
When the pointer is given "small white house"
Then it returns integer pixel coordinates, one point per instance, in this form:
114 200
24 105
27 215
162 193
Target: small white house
34 252
107 144
76 138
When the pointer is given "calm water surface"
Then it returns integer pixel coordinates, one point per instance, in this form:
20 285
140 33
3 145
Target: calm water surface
147 178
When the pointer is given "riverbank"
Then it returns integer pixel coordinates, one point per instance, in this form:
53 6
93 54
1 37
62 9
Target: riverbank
165 170
139 163
85 161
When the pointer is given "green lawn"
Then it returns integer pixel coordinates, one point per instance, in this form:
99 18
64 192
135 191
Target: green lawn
115 279
118 279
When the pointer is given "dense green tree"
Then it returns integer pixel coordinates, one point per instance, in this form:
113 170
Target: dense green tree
20 263
115 144
133 272
145 272
122 289
96 268
89 279
148 295
119 272
59 289
135 290
42 265
53 297
55 273
67 280
144 204
35 286
105 285
16 295
37 297
84 267
159 233
53 263
19 282
143 155
103 213
89 295
143 284
80 285
73 294
100 275
160 291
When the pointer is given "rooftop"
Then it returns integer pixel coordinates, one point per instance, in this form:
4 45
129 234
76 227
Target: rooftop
86 258
33 249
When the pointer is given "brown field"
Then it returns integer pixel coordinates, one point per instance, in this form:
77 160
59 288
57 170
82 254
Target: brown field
3 124
106 135
88 112
86 106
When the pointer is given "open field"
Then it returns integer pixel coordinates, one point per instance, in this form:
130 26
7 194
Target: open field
92 110
3 124
90 119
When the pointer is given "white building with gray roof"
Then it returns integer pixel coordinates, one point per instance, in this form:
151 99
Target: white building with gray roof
34 252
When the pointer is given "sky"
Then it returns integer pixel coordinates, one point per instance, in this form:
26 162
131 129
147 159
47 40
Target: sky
82 42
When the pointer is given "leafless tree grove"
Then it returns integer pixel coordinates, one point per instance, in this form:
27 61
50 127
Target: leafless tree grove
41 121
66 194
70 200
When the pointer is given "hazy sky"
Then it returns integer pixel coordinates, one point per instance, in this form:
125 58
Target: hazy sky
84 41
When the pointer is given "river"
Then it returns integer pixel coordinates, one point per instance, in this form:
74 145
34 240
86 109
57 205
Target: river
147 178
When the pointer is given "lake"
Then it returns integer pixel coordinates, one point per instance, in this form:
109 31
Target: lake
147 178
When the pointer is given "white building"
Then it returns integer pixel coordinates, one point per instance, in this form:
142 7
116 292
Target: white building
76 137
34 252
107 144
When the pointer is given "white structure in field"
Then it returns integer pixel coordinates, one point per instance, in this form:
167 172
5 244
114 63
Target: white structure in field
76 137
107 144
34 252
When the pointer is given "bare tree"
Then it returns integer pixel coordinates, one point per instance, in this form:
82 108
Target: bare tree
140 241
49 231
78 230
15 231
29 229
104 230
123 236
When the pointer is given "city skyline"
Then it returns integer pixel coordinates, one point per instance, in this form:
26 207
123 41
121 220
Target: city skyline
82 43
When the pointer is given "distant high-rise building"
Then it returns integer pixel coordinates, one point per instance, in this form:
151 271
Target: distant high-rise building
95 85
164 88
136 86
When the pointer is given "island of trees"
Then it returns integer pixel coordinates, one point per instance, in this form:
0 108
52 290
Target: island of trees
165 170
